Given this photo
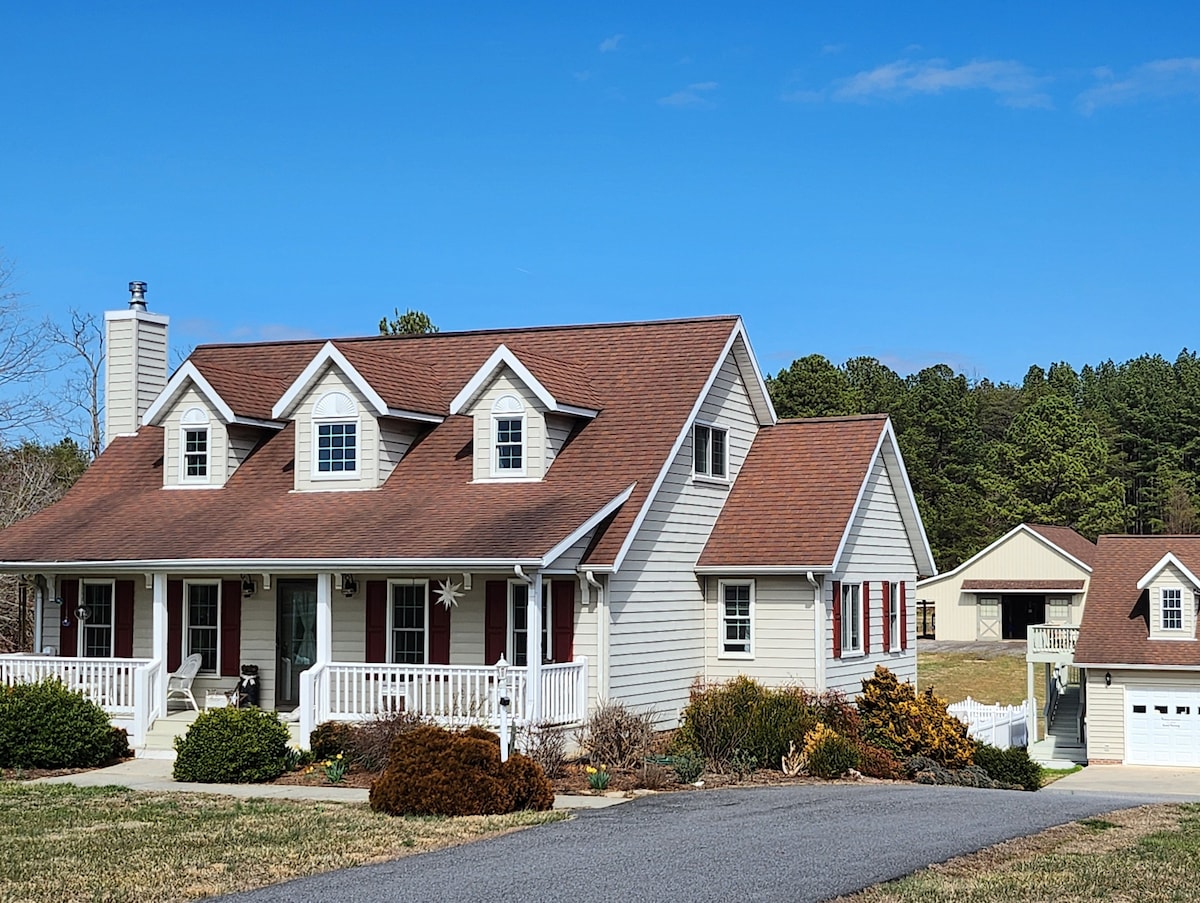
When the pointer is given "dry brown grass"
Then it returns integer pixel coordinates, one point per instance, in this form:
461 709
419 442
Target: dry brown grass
955 675
65 843
1149 854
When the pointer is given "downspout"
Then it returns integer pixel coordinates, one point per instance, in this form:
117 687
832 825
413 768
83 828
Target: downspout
601 635
818 630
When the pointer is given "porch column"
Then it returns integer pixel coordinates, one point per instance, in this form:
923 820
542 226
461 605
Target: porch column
158 638
1032 704
324 618
533 699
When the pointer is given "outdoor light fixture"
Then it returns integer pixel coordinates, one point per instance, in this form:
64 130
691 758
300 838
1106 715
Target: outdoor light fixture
1108 678
349 585
248 587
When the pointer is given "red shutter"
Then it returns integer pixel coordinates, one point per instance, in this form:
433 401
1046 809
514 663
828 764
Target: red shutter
562 619
439 634
376 617
495 621
837 619
68 628
174 624
903 615
231 627
866 602
123 619
886 612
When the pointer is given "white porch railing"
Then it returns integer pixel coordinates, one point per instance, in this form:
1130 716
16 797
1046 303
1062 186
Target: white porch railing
123 687
1053 638
451 695
1000 725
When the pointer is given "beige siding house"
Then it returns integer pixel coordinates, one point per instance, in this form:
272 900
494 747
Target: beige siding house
554 516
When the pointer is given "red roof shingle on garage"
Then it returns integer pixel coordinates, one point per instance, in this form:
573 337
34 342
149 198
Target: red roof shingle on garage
1068 540
1073 586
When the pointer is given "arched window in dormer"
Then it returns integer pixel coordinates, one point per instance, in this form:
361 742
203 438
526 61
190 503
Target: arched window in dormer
194 446
508 430
335 436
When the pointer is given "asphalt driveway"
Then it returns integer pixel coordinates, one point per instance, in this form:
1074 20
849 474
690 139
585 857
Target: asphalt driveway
806 843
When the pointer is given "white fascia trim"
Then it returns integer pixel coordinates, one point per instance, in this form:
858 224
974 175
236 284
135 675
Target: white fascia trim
1167 559
766 570
619 558
588 525
576 411
261 424
328 354
888 435
1108 666
1019 528
415 415
759 382
503 356
274 565
186 373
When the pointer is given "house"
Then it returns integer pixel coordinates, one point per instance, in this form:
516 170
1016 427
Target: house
612 510
1033 574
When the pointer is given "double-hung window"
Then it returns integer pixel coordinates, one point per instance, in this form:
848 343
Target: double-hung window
894 626
409 623
518 639
709 444
195 445
335 437
1172 608
96 637
508 437
737 620
204 624
851 618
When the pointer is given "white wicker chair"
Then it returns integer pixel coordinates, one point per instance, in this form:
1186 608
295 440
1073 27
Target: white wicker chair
179 684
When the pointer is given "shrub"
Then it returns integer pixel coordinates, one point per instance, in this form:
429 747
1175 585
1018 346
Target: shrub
654 776
617 736
45 725
432 771
330 738
369 743
232 746
741 714
924 770
1009 766
120 743
547 746
688 765
897 718
876 762
835 711
828 754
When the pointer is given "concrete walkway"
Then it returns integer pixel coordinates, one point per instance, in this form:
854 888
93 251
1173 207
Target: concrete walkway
1177 784
155 775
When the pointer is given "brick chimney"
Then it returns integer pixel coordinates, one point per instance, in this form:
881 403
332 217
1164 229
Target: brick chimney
135 363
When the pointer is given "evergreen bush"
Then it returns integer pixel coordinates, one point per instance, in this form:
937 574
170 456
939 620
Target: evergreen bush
232 746
45 725
1009 766
741 714
906 723
827 754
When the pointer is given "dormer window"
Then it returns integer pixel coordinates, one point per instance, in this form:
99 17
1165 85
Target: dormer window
1172 608
508 430
708 449
195 446
335 437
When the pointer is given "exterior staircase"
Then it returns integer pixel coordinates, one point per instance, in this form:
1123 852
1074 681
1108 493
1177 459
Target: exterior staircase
160 739
1062 746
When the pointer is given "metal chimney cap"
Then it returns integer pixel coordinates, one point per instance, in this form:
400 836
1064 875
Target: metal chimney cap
137 296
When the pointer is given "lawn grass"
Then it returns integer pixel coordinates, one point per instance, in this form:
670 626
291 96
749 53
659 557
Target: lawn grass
67 843
1150 854
997 679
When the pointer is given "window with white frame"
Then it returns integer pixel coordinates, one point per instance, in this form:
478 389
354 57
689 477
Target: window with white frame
204 624
508 432
709 445
894 626
1172 608
410 618
518 634
194 446
1058 609
851 618
96 635
335 436
737 619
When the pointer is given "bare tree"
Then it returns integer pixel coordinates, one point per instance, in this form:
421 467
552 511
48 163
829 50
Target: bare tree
24 363
82 343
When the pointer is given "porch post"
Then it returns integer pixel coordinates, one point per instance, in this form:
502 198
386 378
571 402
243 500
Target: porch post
533 699
158 638
324 618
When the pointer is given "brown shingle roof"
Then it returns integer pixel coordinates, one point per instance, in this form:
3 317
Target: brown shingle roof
795 494
648 376
1026 585
1068 540
1115 628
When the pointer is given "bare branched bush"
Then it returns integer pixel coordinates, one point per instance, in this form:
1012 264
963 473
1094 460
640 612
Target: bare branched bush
617 736
546 745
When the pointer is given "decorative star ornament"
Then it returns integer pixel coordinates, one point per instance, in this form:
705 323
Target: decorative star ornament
448 593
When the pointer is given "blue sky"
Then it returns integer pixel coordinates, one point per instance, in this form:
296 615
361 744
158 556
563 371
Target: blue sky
984 185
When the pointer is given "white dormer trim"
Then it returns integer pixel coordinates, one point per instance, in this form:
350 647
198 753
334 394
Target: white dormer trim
504 357
190 373
329 355
1168 559
1019 528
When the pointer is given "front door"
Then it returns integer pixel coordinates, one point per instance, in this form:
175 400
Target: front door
1018 612
296 646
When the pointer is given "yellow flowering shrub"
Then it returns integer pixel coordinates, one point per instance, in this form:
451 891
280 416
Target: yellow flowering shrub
897 718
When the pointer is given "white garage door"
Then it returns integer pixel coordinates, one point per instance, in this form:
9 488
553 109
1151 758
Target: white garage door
1162 727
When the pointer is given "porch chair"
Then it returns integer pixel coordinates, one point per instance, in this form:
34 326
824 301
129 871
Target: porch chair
179 683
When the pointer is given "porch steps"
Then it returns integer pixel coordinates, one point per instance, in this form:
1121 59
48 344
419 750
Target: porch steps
1062 748
160 739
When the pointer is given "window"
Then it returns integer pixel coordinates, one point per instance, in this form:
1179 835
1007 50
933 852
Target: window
203 624
1059 609
508 431
335 434
894 626
1172 608
96 637
851 617
737 620
409 619
708 450
518 640
194 446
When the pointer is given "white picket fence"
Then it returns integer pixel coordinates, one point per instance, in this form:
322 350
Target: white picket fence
1002 726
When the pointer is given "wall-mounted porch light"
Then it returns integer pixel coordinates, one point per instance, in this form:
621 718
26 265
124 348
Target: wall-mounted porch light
248 586
1108 678
349 585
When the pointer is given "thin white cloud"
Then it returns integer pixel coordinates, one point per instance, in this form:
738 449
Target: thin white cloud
1156 80
1012 83
830 49
582 76
691 96
611 43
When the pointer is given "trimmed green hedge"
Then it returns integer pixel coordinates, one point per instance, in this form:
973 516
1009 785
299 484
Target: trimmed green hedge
232 746
45 725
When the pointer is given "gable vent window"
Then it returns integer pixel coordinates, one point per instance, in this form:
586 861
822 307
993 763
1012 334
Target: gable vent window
335 429
194 446
1172 609
508 428
708 448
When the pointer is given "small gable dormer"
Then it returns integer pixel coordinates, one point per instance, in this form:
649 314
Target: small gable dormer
1173 593
520 425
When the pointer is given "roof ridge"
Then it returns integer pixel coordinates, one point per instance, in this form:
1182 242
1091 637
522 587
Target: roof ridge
842 418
